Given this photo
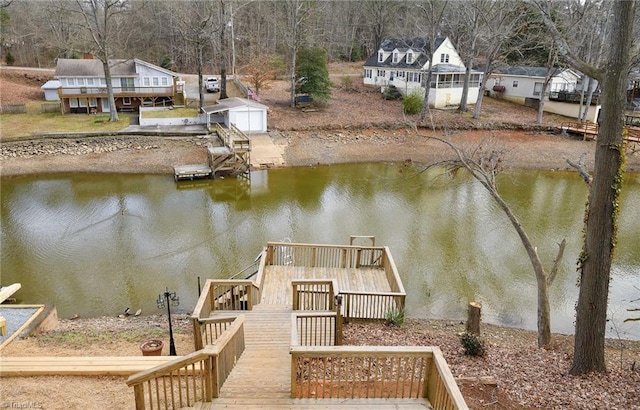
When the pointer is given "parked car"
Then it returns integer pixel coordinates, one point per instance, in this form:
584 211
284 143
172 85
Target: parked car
211 85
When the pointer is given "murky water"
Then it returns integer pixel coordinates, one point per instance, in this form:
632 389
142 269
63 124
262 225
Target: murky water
95 244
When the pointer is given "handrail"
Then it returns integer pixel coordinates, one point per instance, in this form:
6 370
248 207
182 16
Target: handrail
198 376
374 372
320 328
254 263
309 289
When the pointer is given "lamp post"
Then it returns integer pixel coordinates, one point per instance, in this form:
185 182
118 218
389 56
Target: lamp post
171 299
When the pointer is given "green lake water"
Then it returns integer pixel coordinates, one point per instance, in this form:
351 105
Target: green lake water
93 244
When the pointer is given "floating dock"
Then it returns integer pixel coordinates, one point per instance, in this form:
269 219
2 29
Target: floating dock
191 172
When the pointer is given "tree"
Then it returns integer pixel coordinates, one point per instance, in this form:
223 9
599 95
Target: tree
312 74
433 12
101 18
297 13
484 163
594 263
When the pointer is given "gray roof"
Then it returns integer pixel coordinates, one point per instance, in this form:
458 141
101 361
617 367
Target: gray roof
233 102
70 67
523 71
417 44
51 85
450 68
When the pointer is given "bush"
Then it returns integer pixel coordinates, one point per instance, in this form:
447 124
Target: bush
346 83
472 344
391 93
412 103
394 317
9 58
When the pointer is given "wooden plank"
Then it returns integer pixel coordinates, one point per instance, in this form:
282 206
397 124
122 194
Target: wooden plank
7 291
79 365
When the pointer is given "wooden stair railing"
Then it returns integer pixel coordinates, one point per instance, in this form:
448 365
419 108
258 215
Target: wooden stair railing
370 372
196 377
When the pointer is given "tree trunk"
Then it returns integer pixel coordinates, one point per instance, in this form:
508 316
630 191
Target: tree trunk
427 87
292 102
602 209
473 318
113 111
465 89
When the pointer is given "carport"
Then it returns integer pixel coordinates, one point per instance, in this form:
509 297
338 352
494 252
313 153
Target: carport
247 115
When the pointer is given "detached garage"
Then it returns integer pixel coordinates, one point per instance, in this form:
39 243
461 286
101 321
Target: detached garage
247 115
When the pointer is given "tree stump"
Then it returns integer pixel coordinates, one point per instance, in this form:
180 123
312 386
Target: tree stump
473 318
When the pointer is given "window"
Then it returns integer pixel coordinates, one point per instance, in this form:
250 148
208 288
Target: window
103 81
367 73
515 84
381 73
413 77
89 81
73 102
93 102
400 74
474 80
164 81
156 81
444 58
82 102
409 57
81 81
127 84
146 81
395 57
380 56
126 101
71 81
537 89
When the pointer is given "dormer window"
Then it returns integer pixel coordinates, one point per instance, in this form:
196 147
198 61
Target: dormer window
409 57
395 56
380 56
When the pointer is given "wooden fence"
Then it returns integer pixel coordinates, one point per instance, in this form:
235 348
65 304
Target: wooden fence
13 108
371 372
197 377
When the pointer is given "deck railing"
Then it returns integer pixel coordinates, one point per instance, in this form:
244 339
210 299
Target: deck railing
356 304
326 256
197 377
316 329
212 329
216 295
311 294
374 372
371 305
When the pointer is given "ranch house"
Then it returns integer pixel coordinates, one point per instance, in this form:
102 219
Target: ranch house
136 83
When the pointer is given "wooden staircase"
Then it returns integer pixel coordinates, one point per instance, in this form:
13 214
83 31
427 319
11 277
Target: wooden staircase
262 371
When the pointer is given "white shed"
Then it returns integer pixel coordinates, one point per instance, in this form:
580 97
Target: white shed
50 89
247 115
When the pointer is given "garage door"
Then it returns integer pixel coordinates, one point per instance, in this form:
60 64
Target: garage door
249 121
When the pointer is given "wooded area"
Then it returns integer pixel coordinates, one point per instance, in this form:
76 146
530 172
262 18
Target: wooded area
234 34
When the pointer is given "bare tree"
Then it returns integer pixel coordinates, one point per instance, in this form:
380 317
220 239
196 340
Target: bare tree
297 14
101 19
594 263
432 11
484 163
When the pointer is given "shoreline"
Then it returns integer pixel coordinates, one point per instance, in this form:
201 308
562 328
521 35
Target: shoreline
144 154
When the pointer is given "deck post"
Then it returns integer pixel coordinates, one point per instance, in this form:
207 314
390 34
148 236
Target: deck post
294 371
208 384
138 393
338 330
215 381
197 334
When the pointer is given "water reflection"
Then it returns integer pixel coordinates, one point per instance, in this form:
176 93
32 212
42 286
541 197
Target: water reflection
94 244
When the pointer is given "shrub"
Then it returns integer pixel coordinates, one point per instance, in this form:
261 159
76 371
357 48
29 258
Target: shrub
9 58
412 103
472 344
347 83
394 317
391 93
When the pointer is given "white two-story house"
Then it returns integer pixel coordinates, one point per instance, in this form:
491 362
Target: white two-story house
136 83
403 63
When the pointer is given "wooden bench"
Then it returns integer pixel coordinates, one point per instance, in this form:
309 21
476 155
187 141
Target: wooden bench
79 365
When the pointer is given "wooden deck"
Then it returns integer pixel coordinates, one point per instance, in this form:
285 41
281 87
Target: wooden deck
261 378
254 351
277 289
